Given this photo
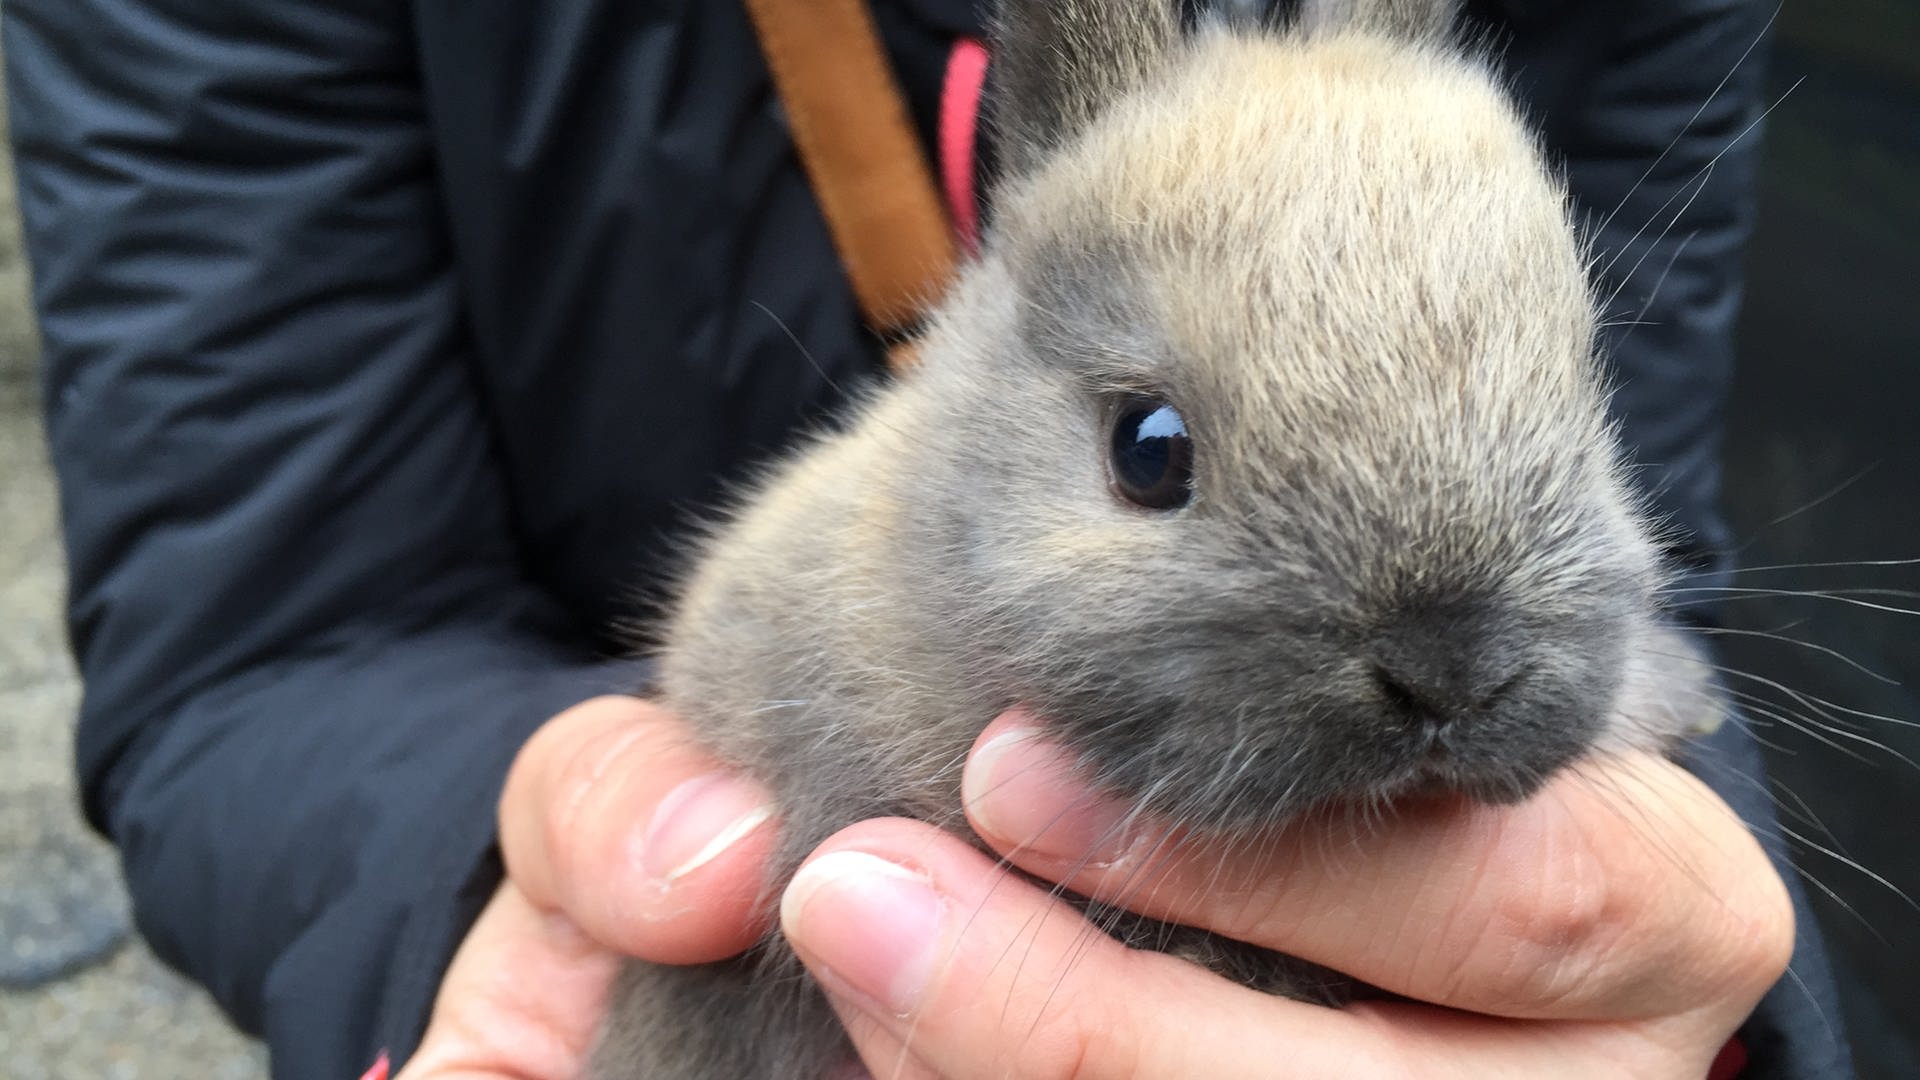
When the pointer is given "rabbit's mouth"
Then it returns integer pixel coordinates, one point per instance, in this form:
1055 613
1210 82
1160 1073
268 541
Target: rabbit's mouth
1441 774
1439 763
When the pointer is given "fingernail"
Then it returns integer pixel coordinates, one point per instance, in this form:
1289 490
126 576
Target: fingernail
872 924
699 820
1025 793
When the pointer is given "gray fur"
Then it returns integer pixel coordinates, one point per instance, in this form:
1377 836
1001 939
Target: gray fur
1060 62
1342 257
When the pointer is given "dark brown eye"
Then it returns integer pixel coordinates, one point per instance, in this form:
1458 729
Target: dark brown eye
1152 457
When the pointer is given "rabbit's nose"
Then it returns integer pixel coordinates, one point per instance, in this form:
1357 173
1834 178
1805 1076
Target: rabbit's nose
1439 668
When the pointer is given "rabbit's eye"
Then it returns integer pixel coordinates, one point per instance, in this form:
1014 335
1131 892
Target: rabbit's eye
1152 458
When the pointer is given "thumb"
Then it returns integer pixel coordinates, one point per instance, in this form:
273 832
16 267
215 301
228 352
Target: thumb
612 814
522 999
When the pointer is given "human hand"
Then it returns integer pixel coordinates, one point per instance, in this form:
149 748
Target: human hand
1583 940
620 838
1622 923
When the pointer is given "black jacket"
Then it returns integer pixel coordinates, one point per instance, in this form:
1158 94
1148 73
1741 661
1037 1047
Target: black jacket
386 345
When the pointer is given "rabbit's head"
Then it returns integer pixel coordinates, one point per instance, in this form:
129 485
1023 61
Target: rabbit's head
1265 452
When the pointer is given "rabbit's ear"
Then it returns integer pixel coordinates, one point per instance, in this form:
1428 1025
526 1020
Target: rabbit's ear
1059 62
1408 20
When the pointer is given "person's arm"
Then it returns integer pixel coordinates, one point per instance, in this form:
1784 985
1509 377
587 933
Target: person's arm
308 648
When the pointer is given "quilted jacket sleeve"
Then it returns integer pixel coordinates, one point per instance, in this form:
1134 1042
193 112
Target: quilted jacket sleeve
307 646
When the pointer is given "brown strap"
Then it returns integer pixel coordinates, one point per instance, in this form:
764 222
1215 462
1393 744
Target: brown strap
849 122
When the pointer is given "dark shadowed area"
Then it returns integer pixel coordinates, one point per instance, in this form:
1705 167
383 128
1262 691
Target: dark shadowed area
1825 413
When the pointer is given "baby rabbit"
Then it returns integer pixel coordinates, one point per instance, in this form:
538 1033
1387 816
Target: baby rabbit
1262 453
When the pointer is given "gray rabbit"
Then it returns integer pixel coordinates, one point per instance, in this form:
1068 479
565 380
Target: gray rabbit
1262 452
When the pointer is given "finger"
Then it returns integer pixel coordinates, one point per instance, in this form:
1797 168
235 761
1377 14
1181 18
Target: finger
960 970
1625 889
944 966
519 999
611 814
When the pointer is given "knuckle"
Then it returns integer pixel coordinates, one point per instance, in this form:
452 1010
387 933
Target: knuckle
578 797
1565 914
583 816
1556 934
553 749
1579 938
1109 1039
1080 1058
1091 1038
1072 1062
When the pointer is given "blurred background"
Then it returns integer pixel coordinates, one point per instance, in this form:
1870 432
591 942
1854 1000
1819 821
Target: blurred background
1826 411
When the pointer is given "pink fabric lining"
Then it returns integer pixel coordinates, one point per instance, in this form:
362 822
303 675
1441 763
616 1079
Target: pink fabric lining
959 131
